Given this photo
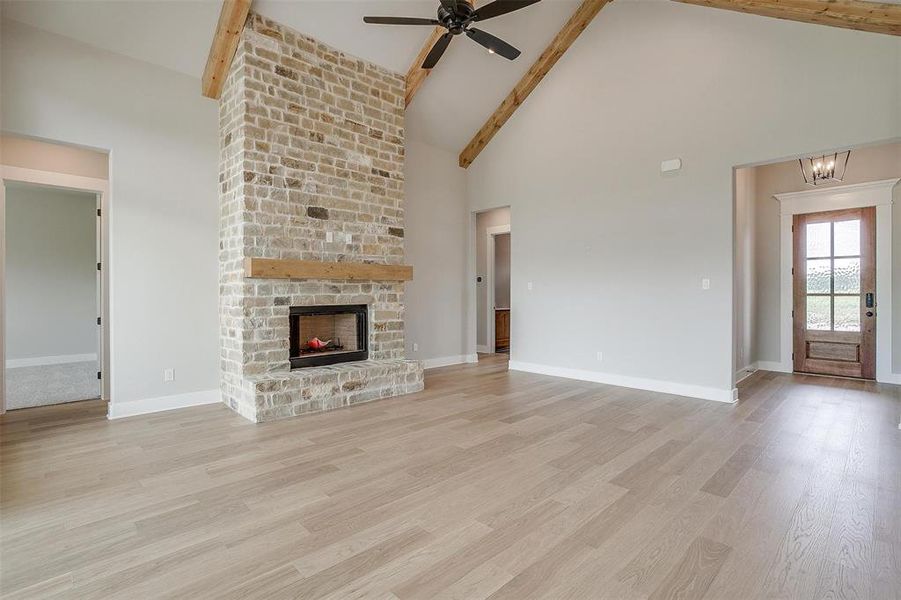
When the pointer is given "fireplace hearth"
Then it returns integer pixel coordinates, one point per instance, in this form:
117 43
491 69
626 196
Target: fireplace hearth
326 335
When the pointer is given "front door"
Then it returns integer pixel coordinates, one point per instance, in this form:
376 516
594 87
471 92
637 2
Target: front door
834 293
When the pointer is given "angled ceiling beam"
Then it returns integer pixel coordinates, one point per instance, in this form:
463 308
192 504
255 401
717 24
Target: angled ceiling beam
225 42
558 46
416 74
875 17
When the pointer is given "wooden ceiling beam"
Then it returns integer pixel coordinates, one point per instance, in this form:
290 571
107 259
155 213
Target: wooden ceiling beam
225 42
416 74
558 46
874 17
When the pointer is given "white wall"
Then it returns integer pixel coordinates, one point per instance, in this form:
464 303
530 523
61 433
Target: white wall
162 138
615 250
51 274
436 218
873 163
745 290
491 218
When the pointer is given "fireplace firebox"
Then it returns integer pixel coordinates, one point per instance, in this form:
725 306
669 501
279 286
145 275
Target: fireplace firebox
325 335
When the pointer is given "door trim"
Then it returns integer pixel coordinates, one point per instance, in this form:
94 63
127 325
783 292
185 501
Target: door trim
861 195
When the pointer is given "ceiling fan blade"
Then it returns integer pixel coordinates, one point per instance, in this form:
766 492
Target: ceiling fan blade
500 7
400 21
437 50
494 44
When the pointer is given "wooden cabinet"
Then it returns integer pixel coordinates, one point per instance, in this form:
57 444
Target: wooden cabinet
501 329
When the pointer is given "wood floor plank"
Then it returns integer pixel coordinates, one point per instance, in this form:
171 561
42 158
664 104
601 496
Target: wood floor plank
488 483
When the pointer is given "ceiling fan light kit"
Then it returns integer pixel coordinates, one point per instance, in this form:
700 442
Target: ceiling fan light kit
457 16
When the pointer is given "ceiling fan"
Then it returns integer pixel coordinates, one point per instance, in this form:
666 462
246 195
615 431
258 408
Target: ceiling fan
457 16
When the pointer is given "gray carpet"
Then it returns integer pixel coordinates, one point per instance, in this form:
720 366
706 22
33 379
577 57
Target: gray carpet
51 384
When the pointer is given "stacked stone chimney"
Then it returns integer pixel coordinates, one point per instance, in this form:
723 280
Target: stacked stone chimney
312 154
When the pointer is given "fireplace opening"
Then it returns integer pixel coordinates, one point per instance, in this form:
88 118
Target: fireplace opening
325 335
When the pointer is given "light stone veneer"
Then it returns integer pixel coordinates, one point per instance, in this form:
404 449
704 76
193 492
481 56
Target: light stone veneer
312 153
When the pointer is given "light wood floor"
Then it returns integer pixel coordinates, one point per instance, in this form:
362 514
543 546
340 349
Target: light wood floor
487 485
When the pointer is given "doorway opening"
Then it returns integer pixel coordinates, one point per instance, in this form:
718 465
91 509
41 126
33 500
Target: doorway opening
52 303
813 273
493 297
54 312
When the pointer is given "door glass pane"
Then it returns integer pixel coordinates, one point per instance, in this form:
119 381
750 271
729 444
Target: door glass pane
818 239
819 276
847 238
847 313
818 309
847 276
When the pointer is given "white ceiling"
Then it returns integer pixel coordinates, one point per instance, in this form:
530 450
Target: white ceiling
461 93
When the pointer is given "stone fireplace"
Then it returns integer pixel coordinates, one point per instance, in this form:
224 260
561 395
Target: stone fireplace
311 179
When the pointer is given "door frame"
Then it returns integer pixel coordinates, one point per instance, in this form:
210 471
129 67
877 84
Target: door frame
71 182
859 195
491 233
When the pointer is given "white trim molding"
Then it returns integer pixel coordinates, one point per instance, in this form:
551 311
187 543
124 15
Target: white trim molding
446 361
39 361
859 195
639 383
119 410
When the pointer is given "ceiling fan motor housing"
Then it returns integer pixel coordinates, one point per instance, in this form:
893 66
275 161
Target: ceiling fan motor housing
455 21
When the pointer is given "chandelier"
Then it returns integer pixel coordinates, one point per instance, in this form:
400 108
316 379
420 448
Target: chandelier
828 167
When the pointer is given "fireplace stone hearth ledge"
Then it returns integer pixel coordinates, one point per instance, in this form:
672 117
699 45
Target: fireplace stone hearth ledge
311 172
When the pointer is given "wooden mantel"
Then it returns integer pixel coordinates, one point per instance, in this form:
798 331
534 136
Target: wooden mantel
281 268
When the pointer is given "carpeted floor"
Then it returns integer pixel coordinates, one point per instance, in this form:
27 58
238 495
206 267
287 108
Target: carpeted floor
51 384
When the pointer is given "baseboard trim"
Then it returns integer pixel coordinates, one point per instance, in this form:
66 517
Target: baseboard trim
119 410
639 383
892 378
39 361
446 361
776 367
745 372
484 349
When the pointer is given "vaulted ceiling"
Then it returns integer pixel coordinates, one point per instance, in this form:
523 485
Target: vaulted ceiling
461 93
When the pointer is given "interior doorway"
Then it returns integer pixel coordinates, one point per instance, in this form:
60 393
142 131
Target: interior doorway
498 286
834 291
53 288
39 334
492 235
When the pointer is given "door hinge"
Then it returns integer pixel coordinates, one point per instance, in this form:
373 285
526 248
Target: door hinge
98 212
99 375
793 270
98 320
98 266
793 314
793 356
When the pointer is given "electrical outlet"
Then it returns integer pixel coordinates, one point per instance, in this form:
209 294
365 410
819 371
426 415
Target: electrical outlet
415 347
529 286
705 284
329 236
600 356
168 374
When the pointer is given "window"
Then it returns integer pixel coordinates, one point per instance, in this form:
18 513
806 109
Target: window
833 276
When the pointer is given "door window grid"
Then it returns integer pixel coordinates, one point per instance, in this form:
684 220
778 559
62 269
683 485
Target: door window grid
831 306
